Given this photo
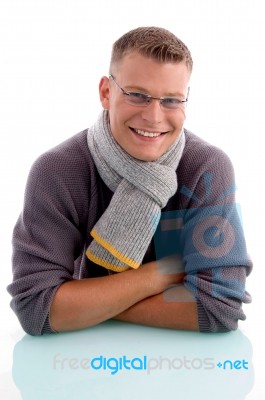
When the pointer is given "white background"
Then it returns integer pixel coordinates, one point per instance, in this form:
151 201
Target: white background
52 55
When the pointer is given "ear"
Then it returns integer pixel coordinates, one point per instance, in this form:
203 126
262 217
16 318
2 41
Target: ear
104 92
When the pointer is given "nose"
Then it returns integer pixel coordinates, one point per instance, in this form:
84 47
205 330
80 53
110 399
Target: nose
152 113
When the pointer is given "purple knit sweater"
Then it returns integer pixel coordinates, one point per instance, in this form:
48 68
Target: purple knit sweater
65 197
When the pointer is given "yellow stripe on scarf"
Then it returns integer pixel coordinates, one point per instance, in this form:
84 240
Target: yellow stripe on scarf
113 251
105 264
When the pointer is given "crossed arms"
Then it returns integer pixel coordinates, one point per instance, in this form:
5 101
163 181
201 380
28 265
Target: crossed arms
133 296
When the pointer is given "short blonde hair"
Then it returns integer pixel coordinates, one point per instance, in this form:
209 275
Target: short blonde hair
152 42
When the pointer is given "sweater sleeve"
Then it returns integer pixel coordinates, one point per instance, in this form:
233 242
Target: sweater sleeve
214 250
220 293
47 238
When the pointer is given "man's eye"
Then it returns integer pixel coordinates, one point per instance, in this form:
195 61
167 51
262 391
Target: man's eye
138 96
171 100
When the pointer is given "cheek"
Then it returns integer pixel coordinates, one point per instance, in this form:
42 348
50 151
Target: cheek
117 119
122 116
183 113
179 118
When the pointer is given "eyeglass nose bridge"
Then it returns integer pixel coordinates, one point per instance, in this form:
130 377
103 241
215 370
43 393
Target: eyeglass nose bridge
149 100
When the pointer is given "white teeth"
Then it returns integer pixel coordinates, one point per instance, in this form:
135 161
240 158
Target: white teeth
147 134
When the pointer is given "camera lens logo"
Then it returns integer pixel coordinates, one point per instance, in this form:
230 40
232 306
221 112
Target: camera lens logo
213 237
206 236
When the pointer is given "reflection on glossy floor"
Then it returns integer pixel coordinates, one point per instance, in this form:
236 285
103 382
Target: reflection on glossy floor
117 361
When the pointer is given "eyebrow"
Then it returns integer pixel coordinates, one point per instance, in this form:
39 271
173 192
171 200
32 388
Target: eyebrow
144 91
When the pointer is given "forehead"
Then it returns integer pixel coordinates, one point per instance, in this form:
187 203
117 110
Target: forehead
135 70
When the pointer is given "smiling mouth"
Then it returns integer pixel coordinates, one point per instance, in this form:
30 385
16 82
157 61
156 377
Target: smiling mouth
147 134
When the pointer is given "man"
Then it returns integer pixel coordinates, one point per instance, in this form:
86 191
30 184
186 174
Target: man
93 241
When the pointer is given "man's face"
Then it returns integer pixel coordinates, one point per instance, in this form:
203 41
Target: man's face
129 123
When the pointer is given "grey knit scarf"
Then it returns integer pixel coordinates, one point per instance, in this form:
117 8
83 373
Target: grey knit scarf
141 189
